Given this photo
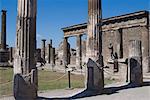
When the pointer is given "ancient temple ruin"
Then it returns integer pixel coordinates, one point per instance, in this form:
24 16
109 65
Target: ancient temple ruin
117 31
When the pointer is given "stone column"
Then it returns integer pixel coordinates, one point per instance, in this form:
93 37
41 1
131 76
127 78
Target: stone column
11 54
65 51
25 71
3 31
49 51
79 52
149 42
135 62
53 56
94 47
4 54
119 43
43 49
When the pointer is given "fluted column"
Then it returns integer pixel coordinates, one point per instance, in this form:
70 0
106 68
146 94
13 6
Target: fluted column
25 71
94 47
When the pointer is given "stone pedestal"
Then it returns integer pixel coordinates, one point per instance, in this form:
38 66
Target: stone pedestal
95 76
135 62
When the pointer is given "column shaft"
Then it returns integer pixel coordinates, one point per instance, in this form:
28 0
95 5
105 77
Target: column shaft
94 47
79 52
65 51
53 56
43 50
25 71
3 31
11 54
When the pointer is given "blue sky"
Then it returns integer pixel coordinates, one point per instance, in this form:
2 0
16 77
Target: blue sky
55 14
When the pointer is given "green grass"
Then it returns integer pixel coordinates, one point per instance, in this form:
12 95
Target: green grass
6 81
47 80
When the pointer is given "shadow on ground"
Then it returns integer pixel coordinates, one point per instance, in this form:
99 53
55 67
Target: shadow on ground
106 91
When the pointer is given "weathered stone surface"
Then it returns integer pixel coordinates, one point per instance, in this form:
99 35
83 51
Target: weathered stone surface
95 78
24 86
119 30
4 54
79 52
11 54
49 51
135 62
66 52
43 49
53 56
3 31
95 75
25 71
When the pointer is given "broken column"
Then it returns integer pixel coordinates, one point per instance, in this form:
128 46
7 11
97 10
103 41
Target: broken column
135 62
4 54
79 52
43 49
25 71
95 75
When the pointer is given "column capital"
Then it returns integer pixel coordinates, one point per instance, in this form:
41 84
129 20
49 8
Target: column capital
43 40
3 11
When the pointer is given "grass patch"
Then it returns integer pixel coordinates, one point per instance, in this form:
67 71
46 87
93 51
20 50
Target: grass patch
47 80
6 76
